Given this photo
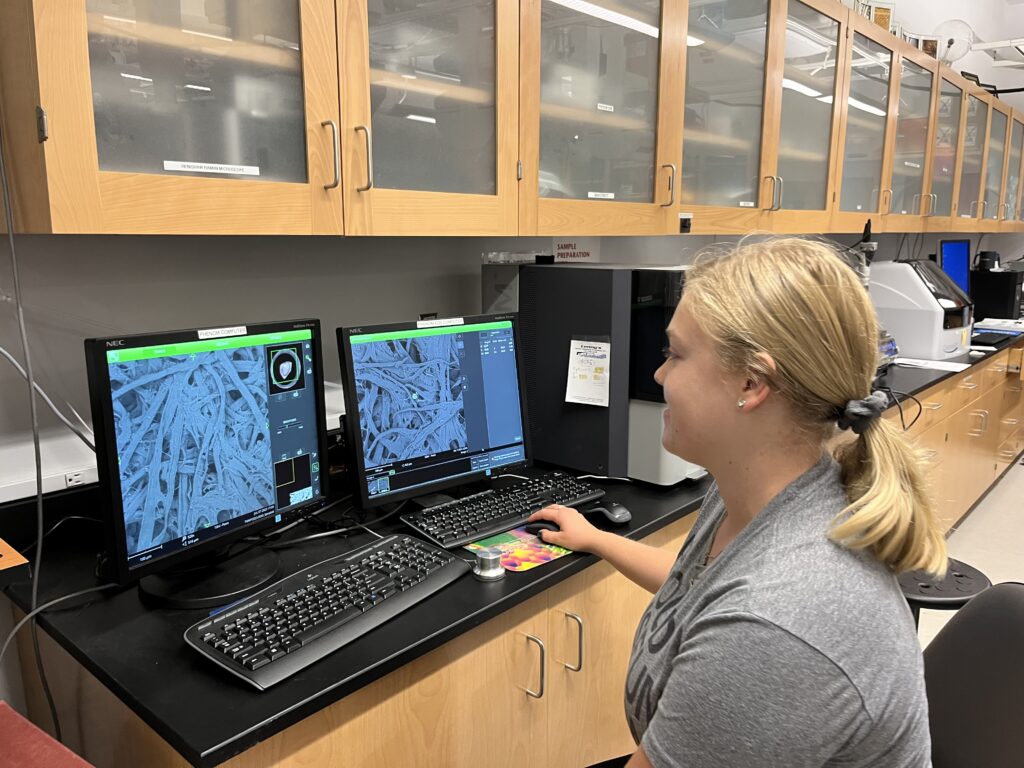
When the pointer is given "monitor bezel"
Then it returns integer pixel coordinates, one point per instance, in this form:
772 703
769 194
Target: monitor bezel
970 260
352 431
106 445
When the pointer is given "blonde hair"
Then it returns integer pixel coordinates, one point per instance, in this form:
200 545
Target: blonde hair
799 302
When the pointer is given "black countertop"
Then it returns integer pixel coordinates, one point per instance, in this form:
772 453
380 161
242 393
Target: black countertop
209 716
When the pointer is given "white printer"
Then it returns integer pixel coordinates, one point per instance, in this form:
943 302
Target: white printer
926 312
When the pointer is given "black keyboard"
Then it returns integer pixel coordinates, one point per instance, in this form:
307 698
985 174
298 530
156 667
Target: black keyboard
494 511
302 618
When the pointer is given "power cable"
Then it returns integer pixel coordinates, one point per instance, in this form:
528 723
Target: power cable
30 377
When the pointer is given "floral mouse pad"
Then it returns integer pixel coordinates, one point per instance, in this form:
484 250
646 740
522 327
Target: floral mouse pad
520 551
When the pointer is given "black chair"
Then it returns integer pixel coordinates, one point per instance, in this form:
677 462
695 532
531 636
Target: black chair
961 583
974 674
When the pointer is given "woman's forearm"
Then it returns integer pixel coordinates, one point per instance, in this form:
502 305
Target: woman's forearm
641 563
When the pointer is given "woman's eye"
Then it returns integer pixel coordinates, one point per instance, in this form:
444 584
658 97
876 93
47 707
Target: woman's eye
668 353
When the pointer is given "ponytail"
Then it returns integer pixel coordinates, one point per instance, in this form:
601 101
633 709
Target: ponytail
890 512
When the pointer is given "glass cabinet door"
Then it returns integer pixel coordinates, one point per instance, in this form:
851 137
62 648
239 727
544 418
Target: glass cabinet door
994 167
808 90
599 71
432 95
914 113
973 154
947 139
866 112
725 63
198 89
1014 189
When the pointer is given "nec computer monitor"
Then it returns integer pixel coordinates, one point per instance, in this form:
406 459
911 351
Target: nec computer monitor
955 260
205 436
432 404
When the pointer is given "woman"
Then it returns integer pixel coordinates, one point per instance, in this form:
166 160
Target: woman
779 635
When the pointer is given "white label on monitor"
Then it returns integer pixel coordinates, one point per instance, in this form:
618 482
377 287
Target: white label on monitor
589 372
601 195
222 333
440 322
234 170
605 107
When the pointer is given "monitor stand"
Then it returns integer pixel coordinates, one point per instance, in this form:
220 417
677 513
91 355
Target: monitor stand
212 580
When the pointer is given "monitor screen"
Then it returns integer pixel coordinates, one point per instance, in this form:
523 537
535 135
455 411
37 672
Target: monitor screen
203 436
955 260
432 404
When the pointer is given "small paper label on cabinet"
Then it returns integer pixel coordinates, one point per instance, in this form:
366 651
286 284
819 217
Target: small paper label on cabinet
746 204
601 195
911 165
189 167
605 107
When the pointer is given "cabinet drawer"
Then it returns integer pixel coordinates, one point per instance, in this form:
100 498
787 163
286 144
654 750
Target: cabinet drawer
993 371
935 406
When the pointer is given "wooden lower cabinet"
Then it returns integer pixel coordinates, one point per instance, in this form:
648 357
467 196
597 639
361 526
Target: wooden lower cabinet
974 429
463 704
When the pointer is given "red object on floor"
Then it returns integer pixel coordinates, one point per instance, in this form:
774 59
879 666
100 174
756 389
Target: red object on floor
22 745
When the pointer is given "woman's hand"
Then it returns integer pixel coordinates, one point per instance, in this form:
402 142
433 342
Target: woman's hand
576 533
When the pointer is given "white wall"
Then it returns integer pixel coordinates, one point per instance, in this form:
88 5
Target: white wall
991 20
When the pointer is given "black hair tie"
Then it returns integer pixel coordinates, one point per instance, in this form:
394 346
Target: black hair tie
859 414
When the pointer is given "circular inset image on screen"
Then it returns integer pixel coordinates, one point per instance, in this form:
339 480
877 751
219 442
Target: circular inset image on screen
286 372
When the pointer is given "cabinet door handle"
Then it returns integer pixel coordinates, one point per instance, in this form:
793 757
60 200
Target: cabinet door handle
369 159
782 190
774 183
671 185
579 648
337 154
933 198
543 667
914 203
984 208
888 205
972 212
969 385
933 406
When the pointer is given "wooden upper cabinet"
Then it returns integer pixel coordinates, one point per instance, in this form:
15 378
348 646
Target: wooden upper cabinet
993 199
430 109
802 113
727 56
947 148
601 116
1014 218
911 143
171 116
970 188
870 93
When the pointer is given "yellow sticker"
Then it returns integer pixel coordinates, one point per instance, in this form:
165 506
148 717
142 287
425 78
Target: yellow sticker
963 336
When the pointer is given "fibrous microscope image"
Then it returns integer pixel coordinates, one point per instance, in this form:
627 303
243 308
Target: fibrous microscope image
410 397
193 442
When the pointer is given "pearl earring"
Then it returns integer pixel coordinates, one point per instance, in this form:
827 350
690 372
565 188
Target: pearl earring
741 403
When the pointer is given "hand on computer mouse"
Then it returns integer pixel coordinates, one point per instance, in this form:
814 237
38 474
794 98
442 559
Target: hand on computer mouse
574 532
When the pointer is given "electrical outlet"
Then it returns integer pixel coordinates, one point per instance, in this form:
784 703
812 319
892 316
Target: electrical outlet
80 477
685 223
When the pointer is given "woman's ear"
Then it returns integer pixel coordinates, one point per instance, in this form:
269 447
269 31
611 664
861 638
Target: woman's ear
756 388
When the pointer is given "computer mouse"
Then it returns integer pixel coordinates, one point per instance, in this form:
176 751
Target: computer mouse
613 512
541 525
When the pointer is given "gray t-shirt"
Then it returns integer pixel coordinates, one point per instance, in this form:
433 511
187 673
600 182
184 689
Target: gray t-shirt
787 650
